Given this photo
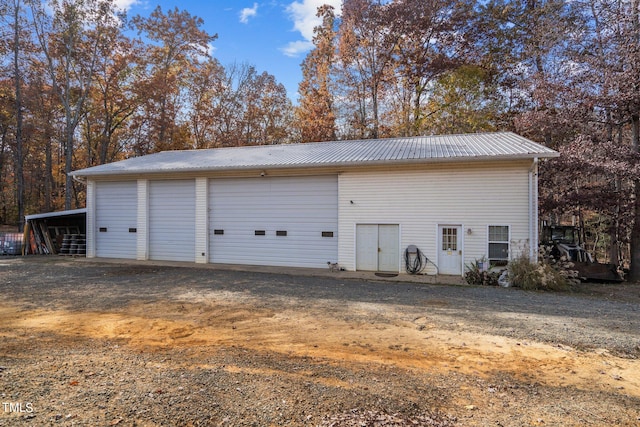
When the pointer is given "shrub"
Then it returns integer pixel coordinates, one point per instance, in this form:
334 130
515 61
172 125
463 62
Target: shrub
525 274
475 276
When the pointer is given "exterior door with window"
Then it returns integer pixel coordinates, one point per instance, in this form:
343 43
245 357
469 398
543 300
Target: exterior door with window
450 249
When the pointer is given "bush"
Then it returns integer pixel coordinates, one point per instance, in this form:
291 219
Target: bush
525 274
475 276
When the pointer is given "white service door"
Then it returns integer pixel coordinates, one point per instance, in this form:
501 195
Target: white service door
278 221
388 247
367 247
172 217
450 249
378 247
116 218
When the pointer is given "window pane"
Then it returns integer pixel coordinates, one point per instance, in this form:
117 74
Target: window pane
450 239
498 251
498 233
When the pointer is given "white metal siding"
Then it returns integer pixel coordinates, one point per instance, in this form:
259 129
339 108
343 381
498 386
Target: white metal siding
172 220
303 207
143 220
473 195
91 219
116 214
202 220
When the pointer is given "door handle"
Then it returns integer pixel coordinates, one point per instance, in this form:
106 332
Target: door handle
379 250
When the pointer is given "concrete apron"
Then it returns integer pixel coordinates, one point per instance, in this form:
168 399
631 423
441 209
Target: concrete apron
295 271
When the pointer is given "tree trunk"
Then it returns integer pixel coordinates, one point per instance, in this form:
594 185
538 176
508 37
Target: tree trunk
3 145
48 174
19 118
68 185
634 274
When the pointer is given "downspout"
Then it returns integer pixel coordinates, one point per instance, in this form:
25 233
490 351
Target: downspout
533 211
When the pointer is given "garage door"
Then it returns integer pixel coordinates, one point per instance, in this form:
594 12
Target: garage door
116 217
278 221
172 218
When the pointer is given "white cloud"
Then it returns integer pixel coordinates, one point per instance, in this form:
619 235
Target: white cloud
205 53
294 49
303 15
210 49
248 12
125 4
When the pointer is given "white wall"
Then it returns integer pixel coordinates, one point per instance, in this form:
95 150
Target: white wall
473 195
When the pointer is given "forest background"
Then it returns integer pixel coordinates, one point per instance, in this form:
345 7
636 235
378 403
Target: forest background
81 84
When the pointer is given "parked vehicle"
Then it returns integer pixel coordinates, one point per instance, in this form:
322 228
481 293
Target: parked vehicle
10 244
565 241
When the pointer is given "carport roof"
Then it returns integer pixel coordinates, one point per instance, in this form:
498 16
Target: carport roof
419 149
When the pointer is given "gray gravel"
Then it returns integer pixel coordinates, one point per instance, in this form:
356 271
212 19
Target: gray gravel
93 381
576 319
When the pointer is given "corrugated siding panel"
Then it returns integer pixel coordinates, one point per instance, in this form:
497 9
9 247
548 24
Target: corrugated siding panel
116 212
304 207
172 220
472 195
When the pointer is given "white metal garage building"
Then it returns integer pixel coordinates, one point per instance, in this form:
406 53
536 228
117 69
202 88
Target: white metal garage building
359 203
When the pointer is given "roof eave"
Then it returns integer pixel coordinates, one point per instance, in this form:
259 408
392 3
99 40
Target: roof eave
72 212
484 158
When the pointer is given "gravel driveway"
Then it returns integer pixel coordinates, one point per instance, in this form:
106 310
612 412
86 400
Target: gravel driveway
91 343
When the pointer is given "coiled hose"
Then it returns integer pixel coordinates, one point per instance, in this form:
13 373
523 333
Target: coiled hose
415 261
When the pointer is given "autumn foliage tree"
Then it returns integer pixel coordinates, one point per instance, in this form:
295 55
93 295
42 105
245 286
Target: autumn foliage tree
71 40
81 84
80 89
315 115
177 43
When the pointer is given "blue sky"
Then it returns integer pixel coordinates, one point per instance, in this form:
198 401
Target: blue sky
272 35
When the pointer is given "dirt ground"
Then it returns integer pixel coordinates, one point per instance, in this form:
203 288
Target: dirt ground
90 343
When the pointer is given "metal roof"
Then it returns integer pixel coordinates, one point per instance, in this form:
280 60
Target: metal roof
72 212
419 149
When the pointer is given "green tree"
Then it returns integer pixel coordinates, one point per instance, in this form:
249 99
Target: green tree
461 101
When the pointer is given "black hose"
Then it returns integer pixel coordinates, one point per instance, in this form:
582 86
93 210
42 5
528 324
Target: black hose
415 262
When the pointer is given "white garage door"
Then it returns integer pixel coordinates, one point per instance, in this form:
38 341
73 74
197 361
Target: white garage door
278 221
172 207
116 218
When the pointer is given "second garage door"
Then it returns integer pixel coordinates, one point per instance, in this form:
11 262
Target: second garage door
277 221
172 220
